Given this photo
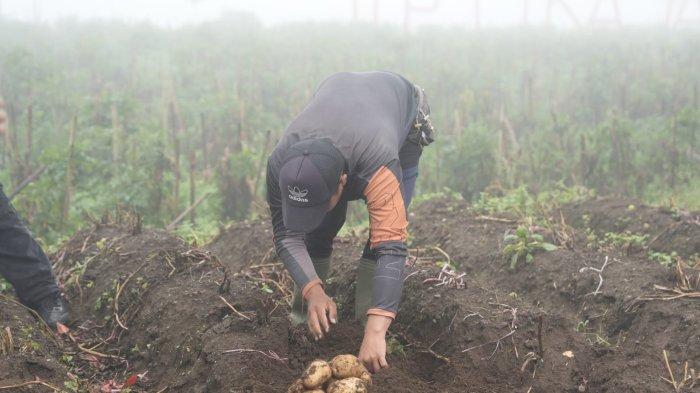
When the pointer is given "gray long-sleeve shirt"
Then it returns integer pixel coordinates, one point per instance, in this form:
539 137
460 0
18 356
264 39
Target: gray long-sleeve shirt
367 116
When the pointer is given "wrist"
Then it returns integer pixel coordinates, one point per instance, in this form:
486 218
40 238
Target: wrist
377 324
315 290
312 288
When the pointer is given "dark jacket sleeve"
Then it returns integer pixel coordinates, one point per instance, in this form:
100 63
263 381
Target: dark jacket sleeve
388 233
289 245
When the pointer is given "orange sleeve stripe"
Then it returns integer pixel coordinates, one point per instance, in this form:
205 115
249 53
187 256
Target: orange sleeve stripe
387 214
384 313
308 286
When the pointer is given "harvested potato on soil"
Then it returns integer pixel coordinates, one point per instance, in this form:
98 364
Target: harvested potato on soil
316 374
366 377
346 366
296 387
348 385
314 391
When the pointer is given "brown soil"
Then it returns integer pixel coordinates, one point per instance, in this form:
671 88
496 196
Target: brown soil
243 244
503 330
28 350
668 230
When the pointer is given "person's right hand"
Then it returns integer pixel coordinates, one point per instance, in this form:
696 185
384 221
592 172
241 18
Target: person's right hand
322 312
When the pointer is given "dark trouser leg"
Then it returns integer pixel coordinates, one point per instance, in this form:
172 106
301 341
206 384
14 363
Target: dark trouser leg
22 261
410 154
319 244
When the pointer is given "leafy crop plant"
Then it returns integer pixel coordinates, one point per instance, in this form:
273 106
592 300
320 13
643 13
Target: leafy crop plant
523 244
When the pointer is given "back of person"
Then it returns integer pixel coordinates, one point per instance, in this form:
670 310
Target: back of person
360 137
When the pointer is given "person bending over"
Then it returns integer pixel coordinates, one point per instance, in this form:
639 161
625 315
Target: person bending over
360 137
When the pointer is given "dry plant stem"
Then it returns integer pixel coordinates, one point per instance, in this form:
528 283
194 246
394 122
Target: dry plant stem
269 354
496 219
29 383
600 275
497 342
441 251
90 351
234 309
670 372
540 343
437 356
7 342
120 288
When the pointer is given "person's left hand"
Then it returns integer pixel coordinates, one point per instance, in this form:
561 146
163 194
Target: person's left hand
373 349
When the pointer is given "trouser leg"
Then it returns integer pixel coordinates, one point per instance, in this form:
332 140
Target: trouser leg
22 261
319 244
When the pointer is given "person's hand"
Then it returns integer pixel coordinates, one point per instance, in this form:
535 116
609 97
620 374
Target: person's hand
373 349
322 312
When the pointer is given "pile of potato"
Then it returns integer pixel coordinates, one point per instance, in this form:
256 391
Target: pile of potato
344 374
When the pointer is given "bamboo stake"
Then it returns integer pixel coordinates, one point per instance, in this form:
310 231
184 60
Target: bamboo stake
35 175
184 214
205 141
193 163
117 137
28 140
261 162
68 191
176 152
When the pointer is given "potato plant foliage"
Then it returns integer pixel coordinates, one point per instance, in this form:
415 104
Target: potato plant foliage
523 244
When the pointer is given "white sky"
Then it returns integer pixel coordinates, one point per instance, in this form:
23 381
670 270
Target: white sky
173 13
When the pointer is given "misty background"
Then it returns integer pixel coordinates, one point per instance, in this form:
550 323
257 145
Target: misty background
157 106
469 13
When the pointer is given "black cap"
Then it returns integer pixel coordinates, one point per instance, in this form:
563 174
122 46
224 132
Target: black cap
308 178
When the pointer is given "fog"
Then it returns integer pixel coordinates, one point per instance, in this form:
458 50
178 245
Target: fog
470 13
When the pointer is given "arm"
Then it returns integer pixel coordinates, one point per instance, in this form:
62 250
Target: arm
289 245
388 234
291 248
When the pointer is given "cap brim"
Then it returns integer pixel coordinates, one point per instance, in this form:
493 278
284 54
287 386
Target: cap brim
302 219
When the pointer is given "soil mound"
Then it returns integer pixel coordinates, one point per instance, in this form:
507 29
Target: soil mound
244 244
667 230
30 358
154 314
627 334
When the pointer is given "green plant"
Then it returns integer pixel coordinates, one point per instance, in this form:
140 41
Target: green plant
593 338
4 286
523 244
394 346
664 258
624 240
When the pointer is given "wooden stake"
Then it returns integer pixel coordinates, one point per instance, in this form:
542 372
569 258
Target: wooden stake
68 190
261 161
117 137
175 140
193 164
28 140
184 214
205 141
35 175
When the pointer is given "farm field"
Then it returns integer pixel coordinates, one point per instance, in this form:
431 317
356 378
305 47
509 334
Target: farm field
159 315
553 230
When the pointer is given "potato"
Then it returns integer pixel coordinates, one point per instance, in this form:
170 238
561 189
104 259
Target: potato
296 387
314 391
366 377
348 385
316 374
346 366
